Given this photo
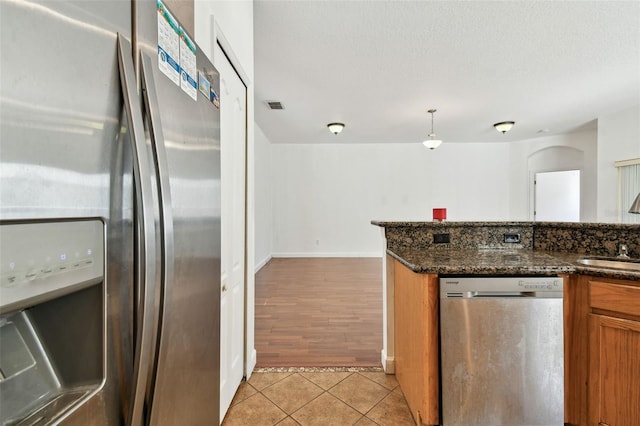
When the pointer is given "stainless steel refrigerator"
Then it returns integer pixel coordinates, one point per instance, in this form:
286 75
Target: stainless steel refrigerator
109 216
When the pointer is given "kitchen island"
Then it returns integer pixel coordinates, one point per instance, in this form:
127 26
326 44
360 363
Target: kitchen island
418 253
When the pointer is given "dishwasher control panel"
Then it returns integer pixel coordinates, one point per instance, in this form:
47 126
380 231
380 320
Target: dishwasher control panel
540 284
469 287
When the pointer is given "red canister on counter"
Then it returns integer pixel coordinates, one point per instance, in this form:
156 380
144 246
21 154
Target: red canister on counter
440 214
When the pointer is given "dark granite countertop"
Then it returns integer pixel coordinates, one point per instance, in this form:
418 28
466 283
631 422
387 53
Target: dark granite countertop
453 224
465 224
500 262
509 248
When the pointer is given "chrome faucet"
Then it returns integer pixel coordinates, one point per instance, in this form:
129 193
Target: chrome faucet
623 251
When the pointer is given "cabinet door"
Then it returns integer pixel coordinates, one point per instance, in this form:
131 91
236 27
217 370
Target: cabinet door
576 352
416 342
614 371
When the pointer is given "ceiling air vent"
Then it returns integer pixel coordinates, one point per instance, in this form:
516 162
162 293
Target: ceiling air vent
275 105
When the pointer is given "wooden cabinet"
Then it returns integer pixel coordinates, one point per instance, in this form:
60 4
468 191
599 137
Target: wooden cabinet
416 342
602 352
614 353
576 349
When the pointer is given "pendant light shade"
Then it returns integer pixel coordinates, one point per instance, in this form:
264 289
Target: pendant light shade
432 142
635 206
335 128
504 126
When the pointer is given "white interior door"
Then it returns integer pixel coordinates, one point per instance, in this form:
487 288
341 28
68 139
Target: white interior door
233 142
557 196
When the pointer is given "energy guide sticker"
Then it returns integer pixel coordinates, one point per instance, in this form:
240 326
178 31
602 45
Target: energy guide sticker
168 43
188 65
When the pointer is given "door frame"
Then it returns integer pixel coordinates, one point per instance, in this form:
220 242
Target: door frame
250 356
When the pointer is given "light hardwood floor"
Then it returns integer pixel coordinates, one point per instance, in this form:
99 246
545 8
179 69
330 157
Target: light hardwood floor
319 312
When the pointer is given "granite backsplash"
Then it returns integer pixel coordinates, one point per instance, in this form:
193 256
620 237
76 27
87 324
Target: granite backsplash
583 238
602 239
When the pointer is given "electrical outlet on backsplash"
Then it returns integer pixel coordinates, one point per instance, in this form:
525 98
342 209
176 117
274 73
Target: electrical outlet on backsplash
511 238
441 238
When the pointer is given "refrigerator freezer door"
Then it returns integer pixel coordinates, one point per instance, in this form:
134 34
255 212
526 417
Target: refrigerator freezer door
185 387
60 106
66 152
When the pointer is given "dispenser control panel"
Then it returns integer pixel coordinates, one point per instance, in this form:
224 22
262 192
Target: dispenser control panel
43 260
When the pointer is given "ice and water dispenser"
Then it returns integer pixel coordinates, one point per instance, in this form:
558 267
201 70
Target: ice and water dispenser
52 318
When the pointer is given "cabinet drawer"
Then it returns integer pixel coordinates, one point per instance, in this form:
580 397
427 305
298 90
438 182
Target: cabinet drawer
614 297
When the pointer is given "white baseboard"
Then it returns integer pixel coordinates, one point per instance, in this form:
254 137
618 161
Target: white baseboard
251 364
261 264
388 363
327 254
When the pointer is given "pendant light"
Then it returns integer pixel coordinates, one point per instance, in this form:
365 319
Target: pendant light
635 207
432 142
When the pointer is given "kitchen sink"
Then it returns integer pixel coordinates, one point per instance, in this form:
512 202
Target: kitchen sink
627 264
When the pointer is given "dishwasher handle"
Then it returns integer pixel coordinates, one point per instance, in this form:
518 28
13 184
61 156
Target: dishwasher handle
502 294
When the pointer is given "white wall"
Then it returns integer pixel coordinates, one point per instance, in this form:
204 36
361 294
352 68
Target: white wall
552 153
325 196
263 198
618 139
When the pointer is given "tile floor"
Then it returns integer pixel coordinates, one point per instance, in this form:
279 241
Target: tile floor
326 398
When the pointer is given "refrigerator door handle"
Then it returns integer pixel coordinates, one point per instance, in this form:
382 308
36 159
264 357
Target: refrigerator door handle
151 105
145 261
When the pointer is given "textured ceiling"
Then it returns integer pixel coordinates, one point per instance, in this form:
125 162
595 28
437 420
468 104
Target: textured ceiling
378 66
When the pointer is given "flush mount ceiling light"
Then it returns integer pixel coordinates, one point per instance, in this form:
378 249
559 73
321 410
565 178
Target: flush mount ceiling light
504 126
335 128
432 142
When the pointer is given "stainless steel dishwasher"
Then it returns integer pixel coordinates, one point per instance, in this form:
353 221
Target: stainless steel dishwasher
502 351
